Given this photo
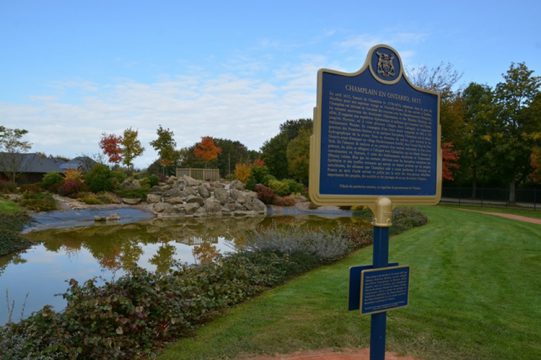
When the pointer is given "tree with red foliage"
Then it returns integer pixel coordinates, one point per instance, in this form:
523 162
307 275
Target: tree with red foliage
450 161
110 145
206 149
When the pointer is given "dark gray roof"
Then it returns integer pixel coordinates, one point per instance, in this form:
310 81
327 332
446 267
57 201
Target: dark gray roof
29 163
39 163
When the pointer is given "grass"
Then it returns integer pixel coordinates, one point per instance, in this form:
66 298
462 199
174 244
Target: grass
474 295
9 207
506 210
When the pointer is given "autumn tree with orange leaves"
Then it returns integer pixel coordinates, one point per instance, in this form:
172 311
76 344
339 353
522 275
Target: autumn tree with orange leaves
207 150
110 145
450 161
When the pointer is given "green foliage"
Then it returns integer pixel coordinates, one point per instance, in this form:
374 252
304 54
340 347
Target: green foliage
51 181
100 178
274 151
298 155
42 201
294 186
165 146
259 175
10 226
279 187
131 147
133 193
89 198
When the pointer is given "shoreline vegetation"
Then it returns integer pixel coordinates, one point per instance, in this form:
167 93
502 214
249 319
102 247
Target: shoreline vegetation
135 314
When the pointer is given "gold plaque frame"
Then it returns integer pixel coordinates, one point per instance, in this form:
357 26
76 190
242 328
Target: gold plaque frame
315 147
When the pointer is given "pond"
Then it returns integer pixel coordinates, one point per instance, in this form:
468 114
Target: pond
36 277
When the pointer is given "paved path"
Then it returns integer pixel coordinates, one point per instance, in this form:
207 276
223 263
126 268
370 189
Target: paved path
361 354
510 216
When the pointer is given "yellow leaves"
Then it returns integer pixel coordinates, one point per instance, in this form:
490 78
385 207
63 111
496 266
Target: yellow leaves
243 172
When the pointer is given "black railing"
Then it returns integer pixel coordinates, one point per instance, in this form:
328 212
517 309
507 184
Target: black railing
482 196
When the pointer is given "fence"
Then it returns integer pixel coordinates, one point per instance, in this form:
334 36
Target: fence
530 198
200 174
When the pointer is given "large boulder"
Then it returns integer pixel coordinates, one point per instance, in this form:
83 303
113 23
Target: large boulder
153 198
213 206
162 207
221 195
237 185
203 191
195 199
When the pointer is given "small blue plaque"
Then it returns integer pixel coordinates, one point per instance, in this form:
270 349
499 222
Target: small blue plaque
354 298
384 289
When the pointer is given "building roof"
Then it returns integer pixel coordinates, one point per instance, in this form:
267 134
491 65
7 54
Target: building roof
40 163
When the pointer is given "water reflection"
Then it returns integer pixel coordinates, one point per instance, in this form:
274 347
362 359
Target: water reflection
111 251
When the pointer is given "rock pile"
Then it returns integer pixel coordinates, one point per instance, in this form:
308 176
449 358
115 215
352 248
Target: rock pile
185 196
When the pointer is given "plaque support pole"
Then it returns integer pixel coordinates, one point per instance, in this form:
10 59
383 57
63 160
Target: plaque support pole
383 212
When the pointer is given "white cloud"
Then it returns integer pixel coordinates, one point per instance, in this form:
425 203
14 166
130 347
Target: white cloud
247 109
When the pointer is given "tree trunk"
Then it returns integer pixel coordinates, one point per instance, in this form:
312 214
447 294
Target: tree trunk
512 197
474 189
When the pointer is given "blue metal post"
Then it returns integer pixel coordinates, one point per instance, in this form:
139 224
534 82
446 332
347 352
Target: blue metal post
378 322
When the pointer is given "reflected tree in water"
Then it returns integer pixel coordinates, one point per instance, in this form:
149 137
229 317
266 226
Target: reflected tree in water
164 257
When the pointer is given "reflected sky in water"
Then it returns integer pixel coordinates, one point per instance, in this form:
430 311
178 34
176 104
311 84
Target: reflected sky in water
110 251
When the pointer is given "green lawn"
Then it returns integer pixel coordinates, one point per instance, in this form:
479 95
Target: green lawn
475 294
8 207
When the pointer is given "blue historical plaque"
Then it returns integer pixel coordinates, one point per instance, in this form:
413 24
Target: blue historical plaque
354 299
384 289
375 134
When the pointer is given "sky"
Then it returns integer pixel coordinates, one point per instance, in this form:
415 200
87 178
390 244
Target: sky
73 70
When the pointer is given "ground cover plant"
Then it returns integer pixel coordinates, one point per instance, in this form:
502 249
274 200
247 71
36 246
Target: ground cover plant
129 317
474 295
12 221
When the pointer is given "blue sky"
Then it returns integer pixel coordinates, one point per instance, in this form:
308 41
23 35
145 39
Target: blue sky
71 70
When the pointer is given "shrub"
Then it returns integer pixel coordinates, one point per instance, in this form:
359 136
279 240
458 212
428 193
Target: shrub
70 187
7 187
108 198
295 187
264 193
153 180
405 218
284 201
118 177
42 201
89 198
99 178
243 172
133 193
10 226
73 174
279 187
258 176
52 181
34 188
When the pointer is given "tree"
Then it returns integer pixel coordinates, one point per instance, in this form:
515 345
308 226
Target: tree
449 160
298 156
233 152
110 145
274 151
131 147
476 148
207 150
11 147
165 146
515 136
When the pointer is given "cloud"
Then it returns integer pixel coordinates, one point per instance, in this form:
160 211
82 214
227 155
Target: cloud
247 109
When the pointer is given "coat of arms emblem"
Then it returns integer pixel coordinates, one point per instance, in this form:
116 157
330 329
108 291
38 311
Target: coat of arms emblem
385 64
